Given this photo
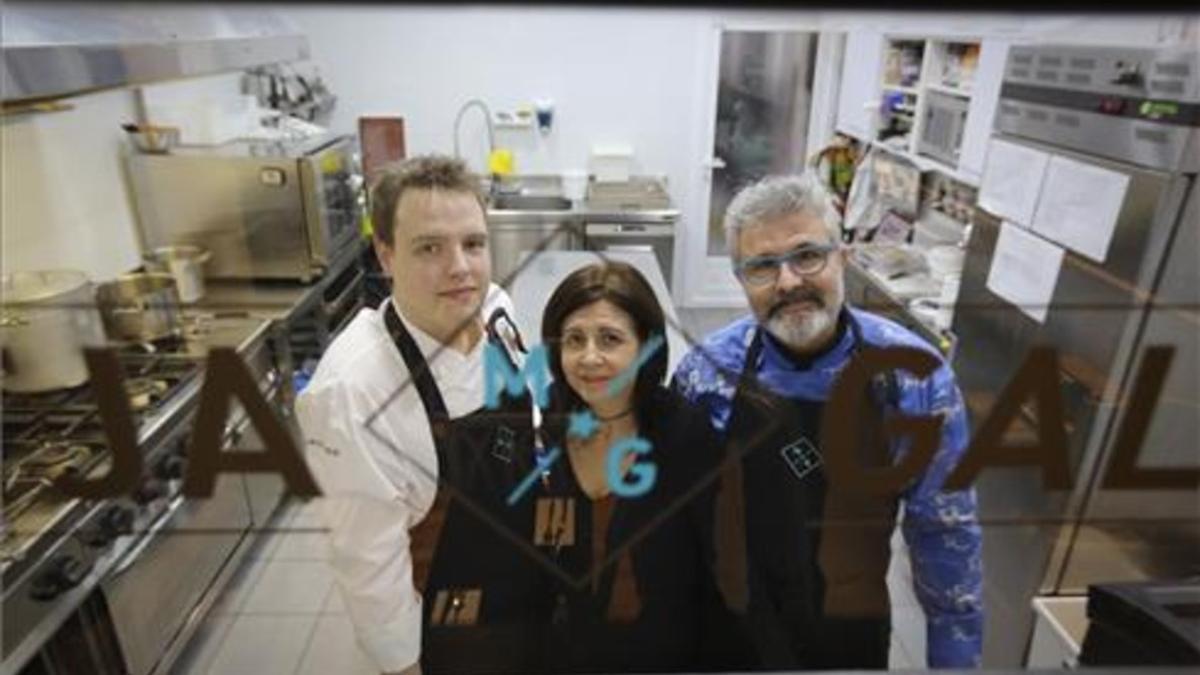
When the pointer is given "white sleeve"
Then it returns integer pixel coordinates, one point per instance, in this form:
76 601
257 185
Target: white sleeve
372 566
368 511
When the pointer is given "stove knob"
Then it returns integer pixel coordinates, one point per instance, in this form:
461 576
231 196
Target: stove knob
61 575
115 521
172 467
150 490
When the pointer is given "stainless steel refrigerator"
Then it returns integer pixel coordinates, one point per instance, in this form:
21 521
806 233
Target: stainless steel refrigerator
1134 112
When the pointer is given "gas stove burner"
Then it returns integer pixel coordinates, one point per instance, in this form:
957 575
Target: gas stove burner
145 392
38 470
54 459
164 345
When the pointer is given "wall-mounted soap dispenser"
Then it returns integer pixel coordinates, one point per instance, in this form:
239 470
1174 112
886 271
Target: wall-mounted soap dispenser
544 108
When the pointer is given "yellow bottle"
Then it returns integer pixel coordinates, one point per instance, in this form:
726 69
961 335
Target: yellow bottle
500 162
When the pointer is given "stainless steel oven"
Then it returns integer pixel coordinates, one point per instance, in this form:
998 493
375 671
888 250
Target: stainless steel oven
119 585
152 592
266 210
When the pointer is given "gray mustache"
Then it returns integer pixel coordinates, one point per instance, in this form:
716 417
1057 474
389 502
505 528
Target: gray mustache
796 296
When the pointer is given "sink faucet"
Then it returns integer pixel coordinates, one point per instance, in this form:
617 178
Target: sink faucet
491 133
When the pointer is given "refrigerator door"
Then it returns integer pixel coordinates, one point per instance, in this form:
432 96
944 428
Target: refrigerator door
1153 532
1094 323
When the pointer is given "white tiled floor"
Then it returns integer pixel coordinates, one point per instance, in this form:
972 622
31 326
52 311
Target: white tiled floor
281 614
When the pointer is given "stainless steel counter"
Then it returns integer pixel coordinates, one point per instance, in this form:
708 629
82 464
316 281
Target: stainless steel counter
1058 632
584 211
867 291
304 316
632 215
275 301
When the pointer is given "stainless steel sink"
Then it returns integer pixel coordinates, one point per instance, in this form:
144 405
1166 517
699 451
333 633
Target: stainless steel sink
530 203
520 224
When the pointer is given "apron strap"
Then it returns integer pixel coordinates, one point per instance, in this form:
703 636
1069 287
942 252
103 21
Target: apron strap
418 367
731 567
731 537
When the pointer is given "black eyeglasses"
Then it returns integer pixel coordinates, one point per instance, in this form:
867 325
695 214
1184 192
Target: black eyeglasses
805 260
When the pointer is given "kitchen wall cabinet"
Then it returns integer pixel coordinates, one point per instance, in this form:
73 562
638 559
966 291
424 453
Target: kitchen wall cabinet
931 100
982 112
858 97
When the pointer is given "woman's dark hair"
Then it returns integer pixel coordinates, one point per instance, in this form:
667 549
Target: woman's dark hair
621 284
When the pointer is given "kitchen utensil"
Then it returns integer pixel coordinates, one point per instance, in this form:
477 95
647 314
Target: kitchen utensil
46 320
140 307
185 264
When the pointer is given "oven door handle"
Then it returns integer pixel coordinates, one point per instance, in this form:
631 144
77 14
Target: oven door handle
132 556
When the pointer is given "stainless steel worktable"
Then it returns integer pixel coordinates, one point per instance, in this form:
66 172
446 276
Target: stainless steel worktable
303 316
275 300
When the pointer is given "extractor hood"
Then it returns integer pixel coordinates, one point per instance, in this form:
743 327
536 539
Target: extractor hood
59 49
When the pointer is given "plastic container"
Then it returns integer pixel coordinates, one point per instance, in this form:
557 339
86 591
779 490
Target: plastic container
575 184
612 164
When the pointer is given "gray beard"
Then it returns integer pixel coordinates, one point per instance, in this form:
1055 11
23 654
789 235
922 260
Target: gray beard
800 333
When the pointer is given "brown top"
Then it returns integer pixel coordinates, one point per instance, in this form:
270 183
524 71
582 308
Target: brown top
624 603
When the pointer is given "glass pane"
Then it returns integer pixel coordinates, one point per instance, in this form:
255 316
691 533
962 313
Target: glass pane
763 100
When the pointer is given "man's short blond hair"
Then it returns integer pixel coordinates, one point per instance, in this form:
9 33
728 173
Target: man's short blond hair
428 172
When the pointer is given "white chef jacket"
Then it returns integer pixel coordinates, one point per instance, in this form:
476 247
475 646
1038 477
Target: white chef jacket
376 486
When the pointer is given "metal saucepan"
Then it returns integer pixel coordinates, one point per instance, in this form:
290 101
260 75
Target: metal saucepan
140 307
186 264
46 319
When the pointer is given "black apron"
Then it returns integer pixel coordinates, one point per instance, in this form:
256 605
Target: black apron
482 595
641 612
813 592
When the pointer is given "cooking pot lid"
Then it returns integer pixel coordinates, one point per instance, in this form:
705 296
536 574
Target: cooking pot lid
34 286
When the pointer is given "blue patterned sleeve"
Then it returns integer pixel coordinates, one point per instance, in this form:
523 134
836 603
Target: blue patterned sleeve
943 534
699 381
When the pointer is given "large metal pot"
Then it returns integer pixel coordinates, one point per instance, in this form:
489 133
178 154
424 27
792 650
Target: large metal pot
46 319
140 307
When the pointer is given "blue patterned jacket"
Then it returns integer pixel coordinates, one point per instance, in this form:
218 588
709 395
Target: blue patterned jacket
940 528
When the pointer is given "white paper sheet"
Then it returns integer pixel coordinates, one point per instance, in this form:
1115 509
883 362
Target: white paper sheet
1024 270
1079 206
1012 179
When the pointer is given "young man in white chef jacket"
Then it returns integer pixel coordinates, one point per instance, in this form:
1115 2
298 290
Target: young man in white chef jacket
431 239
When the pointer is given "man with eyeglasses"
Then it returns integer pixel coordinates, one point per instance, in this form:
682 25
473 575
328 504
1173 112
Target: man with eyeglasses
800 558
